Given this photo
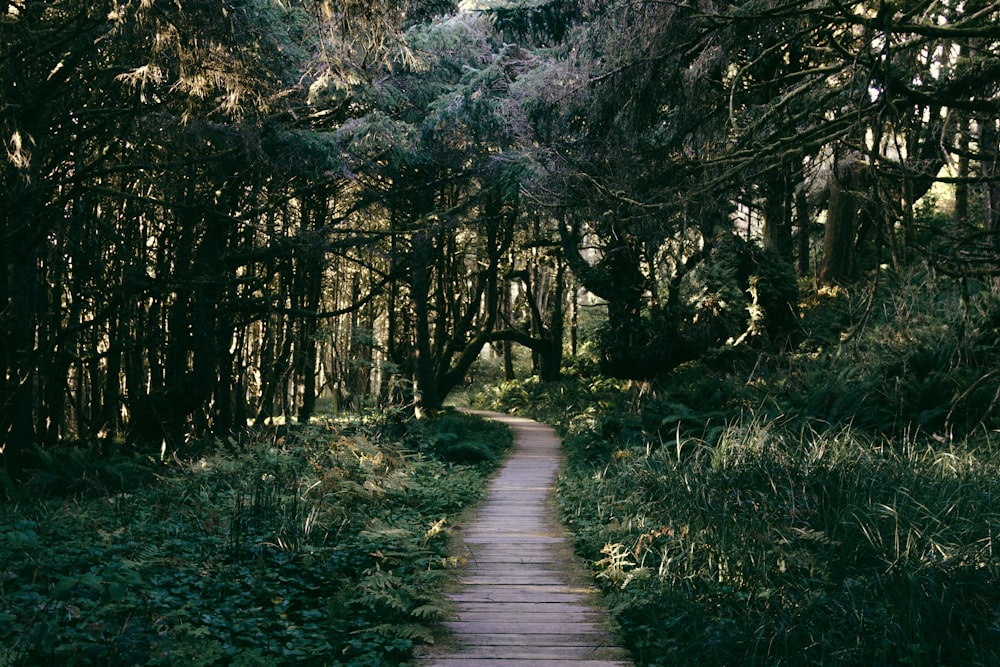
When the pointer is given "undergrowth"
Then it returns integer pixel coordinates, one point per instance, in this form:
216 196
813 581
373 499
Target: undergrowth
323 546
832 506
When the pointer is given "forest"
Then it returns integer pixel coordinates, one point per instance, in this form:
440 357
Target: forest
744 256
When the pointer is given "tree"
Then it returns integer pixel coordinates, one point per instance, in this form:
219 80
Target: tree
624 126
754 102
162 194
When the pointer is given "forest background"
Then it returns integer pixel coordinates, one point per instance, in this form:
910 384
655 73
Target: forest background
744 254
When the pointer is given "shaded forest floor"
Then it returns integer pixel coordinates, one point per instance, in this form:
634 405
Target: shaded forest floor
324 544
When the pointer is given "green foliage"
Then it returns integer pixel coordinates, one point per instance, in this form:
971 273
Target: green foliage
911 353
542 23
830 506
457 439
781 546
745 292
322 545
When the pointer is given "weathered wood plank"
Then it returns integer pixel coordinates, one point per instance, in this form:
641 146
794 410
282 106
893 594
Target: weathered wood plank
533 617
493 626
521 662
521 580
500 560
504 639
574 653
525 608
492 595
520 539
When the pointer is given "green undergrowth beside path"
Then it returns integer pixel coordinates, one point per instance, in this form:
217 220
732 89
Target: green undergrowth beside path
765 542
322 544
834 505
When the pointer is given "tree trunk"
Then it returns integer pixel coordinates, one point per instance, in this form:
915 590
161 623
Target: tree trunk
17 432
506 349
427 400
574 322
805 228
550 358
311 273
841 223
961 187
777 234
990 152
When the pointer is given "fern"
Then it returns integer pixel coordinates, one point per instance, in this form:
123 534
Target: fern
428 612
323 546
405 631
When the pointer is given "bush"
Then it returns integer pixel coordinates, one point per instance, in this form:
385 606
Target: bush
323 544
829 506
776 546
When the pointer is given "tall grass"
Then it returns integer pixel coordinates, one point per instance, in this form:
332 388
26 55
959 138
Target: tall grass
837 505
775 546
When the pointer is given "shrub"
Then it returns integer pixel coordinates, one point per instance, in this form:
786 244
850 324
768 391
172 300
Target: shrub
830 506
323 544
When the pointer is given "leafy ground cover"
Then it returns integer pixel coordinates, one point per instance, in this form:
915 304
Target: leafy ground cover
324 545
823 507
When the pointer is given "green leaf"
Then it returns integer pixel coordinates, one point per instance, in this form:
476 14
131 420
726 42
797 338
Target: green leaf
63 586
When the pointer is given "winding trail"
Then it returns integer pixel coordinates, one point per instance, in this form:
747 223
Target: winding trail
524 599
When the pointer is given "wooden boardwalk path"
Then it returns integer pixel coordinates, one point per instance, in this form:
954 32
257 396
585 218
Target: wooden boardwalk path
524 599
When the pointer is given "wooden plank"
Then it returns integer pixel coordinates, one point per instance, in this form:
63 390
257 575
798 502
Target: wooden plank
540 589
505 560
503 639
521 662
495 557
519 578
526 628
520 539
507 573
543 653
524 608
534 617
507 547
511 558
508 559
487 594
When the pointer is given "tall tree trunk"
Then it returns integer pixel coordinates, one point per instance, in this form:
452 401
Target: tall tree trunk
841 223
574 320
360 364
17 403
506 348
962 187
428 400
990 152
550 359
777 233
389 385
140 374
208 300
804 225
110 419
308 345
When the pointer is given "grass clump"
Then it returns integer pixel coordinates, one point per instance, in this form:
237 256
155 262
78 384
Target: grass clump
779 547
835 505
323 546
